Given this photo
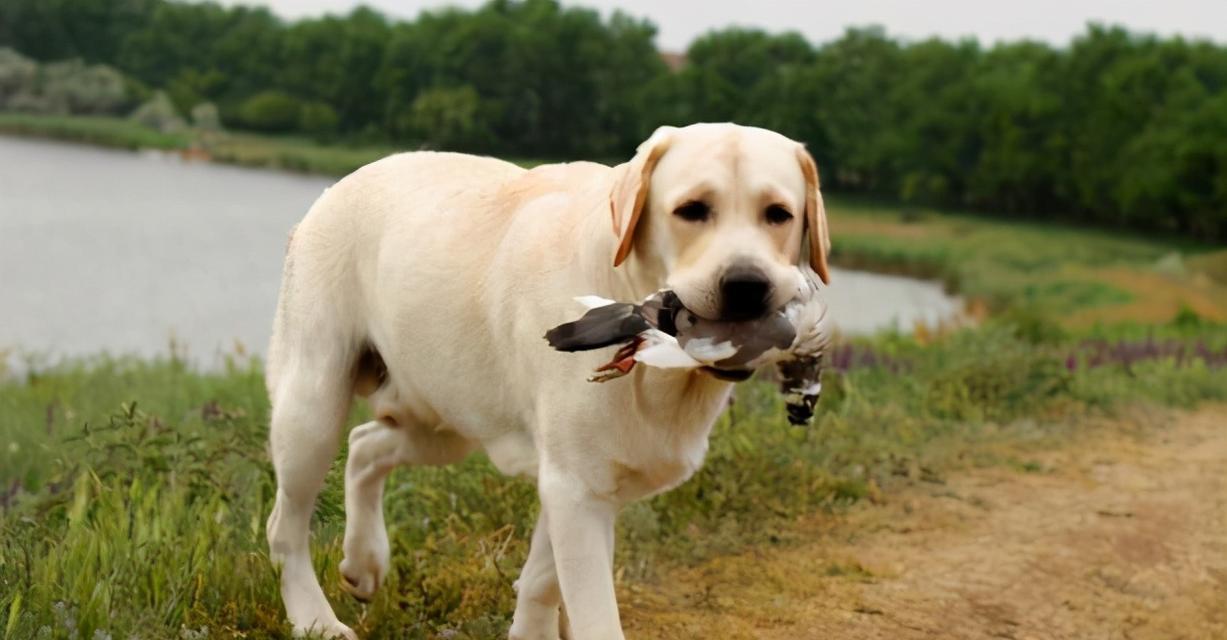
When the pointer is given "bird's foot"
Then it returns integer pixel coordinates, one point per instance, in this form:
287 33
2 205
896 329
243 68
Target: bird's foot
622 363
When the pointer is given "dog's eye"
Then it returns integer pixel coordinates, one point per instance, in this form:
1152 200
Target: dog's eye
693 211
777 214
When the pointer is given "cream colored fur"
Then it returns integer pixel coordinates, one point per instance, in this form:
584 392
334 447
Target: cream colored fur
450 268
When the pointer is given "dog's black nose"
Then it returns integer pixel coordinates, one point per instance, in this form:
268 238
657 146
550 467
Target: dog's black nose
744 291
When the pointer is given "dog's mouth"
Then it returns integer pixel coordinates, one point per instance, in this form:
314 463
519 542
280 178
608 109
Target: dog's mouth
729 375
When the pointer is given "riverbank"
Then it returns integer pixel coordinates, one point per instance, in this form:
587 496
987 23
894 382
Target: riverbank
243 149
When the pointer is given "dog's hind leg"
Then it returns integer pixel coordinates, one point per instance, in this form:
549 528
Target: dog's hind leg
310 401
375 449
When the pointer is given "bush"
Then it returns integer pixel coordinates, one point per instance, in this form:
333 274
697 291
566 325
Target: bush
192 86
159 113
272 111
205 116
17 73
318 118
81 89
446 118
60 88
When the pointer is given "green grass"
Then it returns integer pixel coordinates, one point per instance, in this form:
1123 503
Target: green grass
103 131
293 154
250 150
142 487
1081 275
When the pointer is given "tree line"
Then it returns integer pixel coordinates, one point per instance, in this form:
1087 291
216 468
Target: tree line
1116 128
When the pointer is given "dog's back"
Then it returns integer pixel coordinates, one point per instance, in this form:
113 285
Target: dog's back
333 255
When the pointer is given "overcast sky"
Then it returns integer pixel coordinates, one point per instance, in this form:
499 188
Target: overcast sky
679 21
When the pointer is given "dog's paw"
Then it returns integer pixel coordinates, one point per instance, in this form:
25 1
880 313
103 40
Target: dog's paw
333 630
519 634
367 558
533 621
362 573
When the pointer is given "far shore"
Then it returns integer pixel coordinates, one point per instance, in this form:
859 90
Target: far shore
244 149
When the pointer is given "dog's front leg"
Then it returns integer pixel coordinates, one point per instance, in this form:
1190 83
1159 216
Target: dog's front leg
537 594
581 531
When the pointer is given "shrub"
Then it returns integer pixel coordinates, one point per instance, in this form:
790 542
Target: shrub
318 118
159 113
446 118
206 117
60 88
272 111
82 89
17 74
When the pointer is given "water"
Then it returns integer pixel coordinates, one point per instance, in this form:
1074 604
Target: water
118 252
864 302
113 251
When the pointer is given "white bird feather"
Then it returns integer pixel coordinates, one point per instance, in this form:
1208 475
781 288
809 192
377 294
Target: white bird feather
662 350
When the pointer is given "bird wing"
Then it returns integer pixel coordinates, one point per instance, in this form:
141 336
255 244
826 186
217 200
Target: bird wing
600 327
812 324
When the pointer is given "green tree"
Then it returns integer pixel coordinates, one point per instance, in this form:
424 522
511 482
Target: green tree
318 118
446 118
334 61
860 124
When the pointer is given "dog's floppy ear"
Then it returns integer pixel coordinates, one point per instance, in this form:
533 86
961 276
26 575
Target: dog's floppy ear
630 190
818 237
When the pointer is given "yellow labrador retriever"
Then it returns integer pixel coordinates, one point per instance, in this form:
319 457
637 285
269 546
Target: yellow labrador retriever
425 282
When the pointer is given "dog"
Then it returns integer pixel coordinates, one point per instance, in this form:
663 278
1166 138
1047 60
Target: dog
425 281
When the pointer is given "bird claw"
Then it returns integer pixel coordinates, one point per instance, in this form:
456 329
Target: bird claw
622 363
606 376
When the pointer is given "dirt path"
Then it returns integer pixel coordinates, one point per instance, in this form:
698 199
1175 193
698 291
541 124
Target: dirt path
1121 536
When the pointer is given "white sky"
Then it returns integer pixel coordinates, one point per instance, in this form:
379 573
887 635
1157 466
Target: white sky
679 21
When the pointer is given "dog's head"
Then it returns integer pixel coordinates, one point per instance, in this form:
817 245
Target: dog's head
726 213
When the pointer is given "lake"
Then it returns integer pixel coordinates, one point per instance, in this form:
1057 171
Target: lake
125 253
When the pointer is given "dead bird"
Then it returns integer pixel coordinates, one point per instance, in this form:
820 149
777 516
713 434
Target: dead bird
661 332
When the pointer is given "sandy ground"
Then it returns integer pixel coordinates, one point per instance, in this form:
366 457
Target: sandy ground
1119 536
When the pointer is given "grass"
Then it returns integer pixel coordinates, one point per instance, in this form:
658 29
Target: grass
293 154
103 131
135 492
245 149
1083 276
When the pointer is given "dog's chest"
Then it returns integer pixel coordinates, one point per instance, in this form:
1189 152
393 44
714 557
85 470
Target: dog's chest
660 459
666 440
